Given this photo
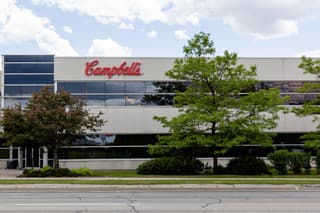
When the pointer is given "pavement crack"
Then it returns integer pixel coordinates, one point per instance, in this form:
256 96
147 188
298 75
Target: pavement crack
219 201
131 205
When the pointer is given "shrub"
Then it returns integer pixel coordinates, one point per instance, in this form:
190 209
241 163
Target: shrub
318 162
279 159
297 161
219 170
247 165
47 172
171 165
81 172
306 163
62 172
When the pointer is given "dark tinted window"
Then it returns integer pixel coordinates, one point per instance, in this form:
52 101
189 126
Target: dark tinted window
28 68
165 87
28 58
96 100
116 87
22 90
136 87
28 79
95 87
72 87
158 100
115 100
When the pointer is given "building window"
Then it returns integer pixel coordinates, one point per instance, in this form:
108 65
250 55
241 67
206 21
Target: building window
116 100
116 87
28 79
28 58
28 68
23 90
135 87
95 87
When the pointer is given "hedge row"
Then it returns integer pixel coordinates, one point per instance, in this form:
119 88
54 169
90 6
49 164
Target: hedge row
61 172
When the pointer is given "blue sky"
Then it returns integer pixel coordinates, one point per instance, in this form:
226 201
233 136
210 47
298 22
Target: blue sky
273 28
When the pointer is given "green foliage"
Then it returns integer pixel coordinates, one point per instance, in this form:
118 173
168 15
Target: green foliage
81 172
49 119
47 172
59 172
318 162
297 161
279 159
213 110
310 108
247 165
171 166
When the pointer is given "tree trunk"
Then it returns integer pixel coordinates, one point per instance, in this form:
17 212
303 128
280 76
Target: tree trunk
55 158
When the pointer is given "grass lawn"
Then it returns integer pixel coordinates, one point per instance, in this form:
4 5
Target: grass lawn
132 173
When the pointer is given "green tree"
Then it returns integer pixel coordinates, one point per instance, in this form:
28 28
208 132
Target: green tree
222 107
49 119
310 108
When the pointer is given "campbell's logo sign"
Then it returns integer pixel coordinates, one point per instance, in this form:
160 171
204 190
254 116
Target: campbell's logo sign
93 68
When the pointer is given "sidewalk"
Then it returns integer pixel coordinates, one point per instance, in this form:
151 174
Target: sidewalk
10 173
209 187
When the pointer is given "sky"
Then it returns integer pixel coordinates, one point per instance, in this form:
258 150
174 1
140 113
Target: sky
159 28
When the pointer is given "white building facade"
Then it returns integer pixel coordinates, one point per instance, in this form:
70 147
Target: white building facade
131 91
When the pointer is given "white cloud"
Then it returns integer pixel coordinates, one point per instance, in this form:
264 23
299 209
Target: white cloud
108 47
312 53
260 19
152 34
18 25
67 29
126 26
181 34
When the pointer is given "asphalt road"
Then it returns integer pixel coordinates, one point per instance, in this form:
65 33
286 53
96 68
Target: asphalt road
160 201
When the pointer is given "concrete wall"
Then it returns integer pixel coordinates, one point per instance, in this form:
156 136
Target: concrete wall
139 120
121 164
132 164
3 163
102 164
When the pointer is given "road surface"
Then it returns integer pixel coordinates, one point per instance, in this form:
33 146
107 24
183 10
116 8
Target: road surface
160 201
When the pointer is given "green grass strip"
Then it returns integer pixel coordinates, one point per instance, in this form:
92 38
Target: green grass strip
154 182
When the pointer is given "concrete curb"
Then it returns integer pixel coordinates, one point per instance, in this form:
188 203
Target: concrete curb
286 187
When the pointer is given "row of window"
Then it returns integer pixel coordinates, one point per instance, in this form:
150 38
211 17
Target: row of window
111 100
29 79
160 87
29 68
145 100
28 58
123 87
283 86
23 90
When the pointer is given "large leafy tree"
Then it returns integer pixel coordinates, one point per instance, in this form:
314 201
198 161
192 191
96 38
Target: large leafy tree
49 119
311 108
222 107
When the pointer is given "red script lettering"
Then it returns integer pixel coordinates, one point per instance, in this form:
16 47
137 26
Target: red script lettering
92 68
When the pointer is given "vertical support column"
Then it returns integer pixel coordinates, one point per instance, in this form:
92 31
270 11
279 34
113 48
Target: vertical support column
45 156
10 153
20 158
2 82
25 157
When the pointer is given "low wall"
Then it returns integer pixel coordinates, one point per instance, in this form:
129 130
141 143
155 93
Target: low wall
121 164
3 163
102 164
